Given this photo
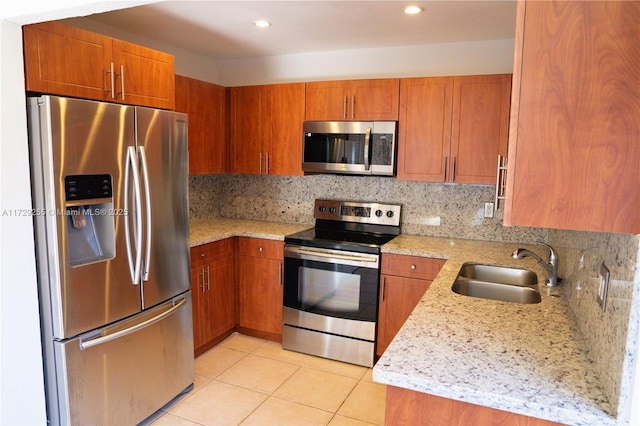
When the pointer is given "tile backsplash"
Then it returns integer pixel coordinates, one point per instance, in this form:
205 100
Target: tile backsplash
457 211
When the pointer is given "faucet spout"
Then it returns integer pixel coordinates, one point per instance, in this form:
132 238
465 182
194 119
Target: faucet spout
550 266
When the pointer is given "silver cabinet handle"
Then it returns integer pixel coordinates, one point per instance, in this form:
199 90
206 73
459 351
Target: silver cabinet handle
260 164
446 161
344 107
353 107
266 163
453 169
113 80
122 80
201 274
208 278
104 339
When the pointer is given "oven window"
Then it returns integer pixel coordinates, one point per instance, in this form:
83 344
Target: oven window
328 290
331 289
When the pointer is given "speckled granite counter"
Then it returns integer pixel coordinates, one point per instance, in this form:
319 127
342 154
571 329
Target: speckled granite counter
204 231
527 359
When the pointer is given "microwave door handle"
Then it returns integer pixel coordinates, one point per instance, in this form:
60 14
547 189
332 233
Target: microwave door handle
367 148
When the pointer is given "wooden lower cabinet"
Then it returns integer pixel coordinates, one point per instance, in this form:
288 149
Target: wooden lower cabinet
407 407
404 280
260 287
213 293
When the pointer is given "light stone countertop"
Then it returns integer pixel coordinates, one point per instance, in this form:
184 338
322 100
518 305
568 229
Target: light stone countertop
526 359
204 231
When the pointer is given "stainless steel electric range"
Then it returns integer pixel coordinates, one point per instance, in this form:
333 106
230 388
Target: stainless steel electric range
332 280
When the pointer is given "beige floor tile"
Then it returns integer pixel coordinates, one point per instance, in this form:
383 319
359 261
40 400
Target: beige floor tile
168 419
368 376
258 373
243 343
219 403
366 402
337 367
316 388
199 381
213 362
275 411
274 350
339 420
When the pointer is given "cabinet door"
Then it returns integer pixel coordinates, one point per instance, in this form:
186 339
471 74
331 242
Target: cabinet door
575 120
260 288
327 100
424 133
144 76
479 127
205 103
286 105
398 297
247 129
67 61
375 99
221 296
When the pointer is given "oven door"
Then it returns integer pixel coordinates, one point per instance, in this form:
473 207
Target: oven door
331 283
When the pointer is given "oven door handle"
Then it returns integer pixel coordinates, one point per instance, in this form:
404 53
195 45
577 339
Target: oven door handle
332 256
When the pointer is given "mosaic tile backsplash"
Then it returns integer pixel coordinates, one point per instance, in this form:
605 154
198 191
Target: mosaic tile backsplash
453 210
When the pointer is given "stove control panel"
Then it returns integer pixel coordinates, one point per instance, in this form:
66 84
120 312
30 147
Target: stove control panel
353 211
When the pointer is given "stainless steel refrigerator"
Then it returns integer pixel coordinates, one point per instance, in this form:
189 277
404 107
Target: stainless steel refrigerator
109 186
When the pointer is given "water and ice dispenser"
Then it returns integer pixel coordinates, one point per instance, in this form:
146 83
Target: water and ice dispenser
89 218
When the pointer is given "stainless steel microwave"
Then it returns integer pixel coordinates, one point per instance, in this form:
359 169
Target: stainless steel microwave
349 147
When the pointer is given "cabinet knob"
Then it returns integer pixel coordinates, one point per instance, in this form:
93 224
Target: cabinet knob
259 248
202 255
413 267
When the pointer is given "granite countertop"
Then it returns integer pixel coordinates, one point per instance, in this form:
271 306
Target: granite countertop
204 231
526 359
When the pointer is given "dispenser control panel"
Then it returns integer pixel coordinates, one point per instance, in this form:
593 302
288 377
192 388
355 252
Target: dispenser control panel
85 187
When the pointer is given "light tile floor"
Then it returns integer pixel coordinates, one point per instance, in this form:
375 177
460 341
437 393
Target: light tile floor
250 381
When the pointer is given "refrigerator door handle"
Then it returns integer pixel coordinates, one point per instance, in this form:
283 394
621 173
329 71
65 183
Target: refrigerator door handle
147 198
86 344
132 165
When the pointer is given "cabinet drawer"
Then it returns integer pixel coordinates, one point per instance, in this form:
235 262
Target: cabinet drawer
411 266
257 247
211 251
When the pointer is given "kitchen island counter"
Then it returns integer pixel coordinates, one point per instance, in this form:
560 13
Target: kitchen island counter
204 231
527 359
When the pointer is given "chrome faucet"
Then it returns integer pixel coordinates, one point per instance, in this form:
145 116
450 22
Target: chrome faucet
550 266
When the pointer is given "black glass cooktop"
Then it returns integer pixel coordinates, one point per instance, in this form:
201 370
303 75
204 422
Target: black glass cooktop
340 240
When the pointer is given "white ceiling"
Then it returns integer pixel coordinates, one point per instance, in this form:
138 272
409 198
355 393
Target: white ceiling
224 30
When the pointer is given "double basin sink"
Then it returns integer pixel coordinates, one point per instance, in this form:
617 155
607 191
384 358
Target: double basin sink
497 283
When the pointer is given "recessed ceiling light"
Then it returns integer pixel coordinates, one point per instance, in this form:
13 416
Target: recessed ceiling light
413 10
261 23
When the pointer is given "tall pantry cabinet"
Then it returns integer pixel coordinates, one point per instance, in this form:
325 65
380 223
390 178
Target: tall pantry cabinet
574 145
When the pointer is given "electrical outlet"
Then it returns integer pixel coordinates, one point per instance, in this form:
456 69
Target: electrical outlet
488 210
603 288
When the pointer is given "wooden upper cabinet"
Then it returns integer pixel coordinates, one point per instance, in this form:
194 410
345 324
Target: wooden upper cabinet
575 118
206 105
424 129
266 129
143 76
452 129
64 60
479 126
286 114
373 99
68 61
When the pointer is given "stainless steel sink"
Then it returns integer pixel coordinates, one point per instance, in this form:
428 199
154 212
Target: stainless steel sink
497 283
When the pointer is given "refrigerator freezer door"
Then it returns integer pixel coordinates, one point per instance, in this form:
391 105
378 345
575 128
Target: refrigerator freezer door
127 371
162 148
82 264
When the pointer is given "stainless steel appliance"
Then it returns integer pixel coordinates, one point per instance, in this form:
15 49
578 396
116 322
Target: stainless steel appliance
349 147
109 185
332 280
